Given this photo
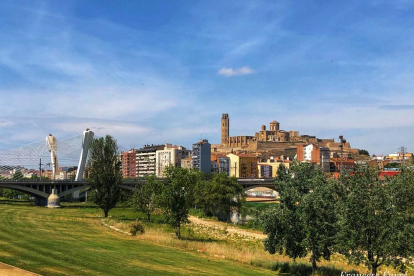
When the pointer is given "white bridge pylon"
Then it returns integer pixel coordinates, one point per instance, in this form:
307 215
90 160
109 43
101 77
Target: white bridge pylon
53 200
86 142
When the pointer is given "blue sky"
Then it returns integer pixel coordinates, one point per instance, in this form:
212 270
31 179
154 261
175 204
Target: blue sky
157 71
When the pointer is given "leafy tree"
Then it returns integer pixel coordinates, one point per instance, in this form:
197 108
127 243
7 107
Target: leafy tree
17 175
375 227
105 172
363 152
9 193
177 195
392 165
221 195
304 221
317 210
145 198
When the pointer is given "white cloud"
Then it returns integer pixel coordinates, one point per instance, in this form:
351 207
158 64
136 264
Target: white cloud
101 127
5 123
229 72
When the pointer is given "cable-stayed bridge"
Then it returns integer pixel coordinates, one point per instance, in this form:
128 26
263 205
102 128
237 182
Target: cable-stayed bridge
32 160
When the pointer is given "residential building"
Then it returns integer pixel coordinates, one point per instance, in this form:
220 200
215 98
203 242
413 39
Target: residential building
146 160
187 163
399 156
309 153
266 171
335 164
325 154
269 168
129 164
243 165
169 156
220 163
201 155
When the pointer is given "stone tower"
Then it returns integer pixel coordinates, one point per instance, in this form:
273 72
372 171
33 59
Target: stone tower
225 125
274 126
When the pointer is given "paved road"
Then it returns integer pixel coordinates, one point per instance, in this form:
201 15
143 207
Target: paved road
7 270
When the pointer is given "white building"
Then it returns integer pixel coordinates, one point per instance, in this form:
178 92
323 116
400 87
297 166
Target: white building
307 152
169 156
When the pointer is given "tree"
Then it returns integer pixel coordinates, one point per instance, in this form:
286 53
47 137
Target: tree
221 195
177 195
144 199
304 221
363 152
18 175
375 227
105 172
9 193
317 211
392 165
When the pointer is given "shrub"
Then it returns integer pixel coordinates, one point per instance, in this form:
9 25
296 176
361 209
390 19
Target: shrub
136 227
300 269
283 267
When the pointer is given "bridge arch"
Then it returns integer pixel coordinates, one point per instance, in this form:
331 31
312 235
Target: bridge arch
72 190
248 187
26 190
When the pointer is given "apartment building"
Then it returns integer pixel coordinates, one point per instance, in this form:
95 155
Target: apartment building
146 160
201 155
169 156
243 165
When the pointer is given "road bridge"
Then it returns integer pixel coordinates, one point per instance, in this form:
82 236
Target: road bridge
42 189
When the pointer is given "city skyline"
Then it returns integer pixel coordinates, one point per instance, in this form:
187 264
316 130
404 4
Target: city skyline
156 73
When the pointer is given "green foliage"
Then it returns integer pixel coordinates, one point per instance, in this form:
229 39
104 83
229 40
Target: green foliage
392 165
363 152
105 173
222 194
17 175
304 221
146 196
376 225
177 195
9 193
302 269
136 227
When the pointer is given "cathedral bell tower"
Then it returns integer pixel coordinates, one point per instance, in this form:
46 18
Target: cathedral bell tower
225 125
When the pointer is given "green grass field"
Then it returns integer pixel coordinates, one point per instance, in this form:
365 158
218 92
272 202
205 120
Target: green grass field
72 241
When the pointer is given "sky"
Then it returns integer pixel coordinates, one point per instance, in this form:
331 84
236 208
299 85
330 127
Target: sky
164 71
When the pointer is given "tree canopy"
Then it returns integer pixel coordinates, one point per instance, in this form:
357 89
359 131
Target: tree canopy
363 152
146 196
105 172
177 196
304 221
221 195
375 225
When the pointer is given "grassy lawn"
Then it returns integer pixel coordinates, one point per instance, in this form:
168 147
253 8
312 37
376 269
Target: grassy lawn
72 241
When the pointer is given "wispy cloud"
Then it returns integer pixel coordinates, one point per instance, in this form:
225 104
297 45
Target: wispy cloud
397 107
5 123
229 72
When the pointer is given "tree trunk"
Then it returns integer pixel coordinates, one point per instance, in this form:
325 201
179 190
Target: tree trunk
313 261
178 233
149 217
106 212
374 270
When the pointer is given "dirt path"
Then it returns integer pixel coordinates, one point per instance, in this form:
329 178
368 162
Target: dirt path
252 234
8 270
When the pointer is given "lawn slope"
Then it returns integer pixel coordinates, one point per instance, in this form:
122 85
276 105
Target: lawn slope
69 241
